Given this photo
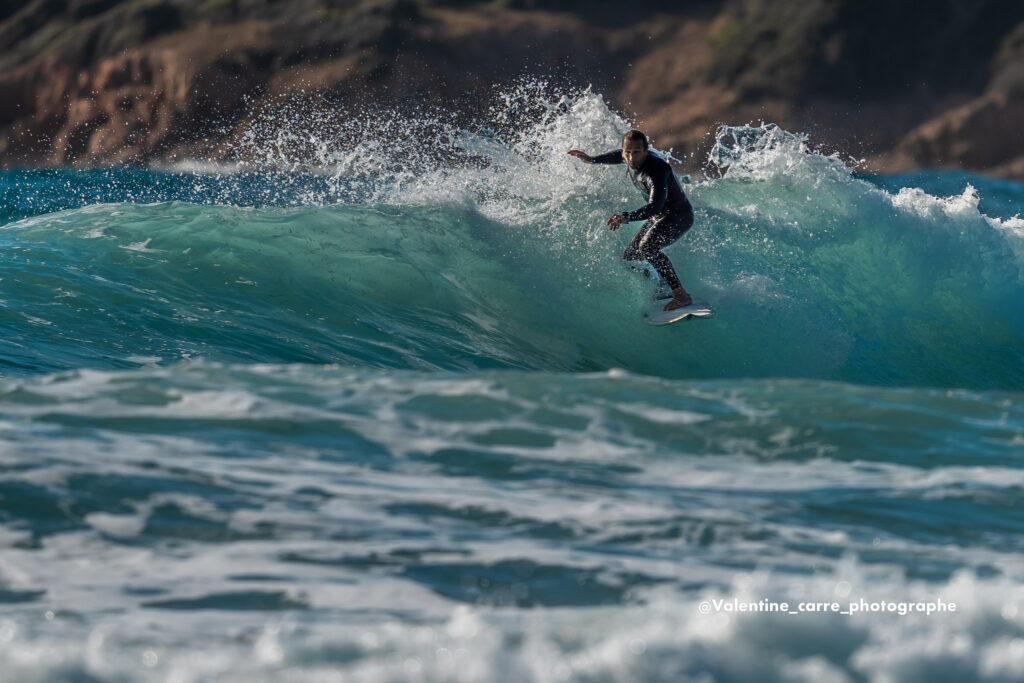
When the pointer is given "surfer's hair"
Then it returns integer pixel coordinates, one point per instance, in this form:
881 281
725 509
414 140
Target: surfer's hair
634 136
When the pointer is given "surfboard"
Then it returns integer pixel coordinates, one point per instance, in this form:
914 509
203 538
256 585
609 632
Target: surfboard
656 316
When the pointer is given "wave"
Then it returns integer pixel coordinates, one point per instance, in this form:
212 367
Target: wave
602 522
490 251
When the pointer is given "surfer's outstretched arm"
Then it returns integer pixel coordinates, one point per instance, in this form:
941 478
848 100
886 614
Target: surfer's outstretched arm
614 157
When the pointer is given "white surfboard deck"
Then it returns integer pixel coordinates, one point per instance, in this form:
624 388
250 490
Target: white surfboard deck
656 316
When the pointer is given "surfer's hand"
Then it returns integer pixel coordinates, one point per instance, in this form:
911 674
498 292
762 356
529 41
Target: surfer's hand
616 221
582 156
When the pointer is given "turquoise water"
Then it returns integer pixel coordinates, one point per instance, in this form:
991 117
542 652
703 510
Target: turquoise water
331 420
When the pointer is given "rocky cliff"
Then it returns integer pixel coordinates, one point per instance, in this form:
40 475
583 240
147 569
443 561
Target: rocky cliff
96 82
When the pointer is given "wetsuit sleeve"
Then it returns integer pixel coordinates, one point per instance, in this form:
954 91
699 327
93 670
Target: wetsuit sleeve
609 158
657 199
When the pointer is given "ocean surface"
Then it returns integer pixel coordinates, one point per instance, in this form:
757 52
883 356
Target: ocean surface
384 408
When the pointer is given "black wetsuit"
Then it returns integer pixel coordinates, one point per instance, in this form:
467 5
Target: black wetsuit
668 213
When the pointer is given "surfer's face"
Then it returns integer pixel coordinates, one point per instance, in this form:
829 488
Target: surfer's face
634 152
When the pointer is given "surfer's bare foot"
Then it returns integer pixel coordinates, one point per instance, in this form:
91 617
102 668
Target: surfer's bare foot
680 298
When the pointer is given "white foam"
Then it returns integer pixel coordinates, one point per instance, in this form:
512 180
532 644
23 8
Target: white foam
666 640
919 202
142 247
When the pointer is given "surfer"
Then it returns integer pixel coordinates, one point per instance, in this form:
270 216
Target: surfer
667 215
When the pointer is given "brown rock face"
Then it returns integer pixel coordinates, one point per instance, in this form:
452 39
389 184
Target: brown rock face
984 133
139 105
958 139
96 82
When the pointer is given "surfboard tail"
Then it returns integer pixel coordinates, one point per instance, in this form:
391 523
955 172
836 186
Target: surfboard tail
657 316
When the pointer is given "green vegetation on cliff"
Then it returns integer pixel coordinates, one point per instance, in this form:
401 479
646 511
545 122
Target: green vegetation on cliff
844 47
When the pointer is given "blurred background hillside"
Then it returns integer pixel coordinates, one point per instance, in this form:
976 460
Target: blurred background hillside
900 84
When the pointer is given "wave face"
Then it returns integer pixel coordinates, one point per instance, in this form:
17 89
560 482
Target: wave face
492 253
